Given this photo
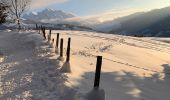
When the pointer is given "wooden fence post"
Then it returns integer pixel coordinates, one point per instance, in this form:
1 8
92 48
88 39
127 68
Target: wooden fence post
52 43
36 27
44 33
57 43
41 28
97 93
98 71
61 49
66 68
68 50
49 36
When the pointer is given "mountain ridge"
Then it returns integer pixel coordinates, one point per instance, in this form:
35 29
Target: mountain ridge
144 23
47 14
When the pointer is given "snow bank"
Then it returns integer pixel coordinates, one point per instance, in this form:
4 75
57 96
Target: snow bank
96 94
66 68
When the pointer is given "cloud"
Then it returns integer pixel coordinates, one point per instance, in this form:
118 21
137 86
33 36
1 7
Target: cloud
113 14
44 3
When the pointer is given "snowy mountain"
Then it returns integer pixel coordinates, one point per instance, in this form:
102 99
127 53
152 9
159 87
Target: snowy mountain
59 17
151 23
47 14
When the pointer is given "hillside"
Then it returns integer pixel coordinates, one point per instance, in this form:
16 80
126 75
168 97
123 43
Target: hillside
149 23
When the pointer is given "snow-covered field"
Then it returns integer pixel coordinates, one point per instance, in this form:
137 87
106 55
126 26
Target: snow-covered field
132 69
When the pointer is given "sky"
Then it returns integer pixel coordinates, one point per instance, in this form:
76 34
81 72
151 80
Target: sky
105 8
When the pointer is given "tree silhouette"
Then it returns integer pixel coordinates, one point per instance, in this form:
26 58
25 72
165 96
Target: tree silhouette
3 12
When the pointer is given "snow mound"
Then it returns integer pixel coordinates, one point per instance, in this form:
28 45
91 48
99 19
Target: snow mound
8 30
66 68
96 94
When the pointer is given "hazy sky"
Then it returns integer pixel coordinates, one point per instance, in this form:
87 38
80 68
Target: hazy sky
100 7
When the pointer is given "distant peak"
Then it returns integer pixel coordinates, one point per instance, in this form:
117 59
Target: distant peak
34 13
48 9
48 14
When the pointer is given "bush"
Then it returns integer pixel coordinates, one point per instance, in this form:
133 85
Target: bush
3 12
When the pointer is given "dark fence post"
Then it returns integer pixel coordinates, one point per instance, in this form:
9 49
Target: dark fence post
57 43
36 27
98 71
41 28
49 36
44 33
68 50
97 93
66 68
52 43
61 48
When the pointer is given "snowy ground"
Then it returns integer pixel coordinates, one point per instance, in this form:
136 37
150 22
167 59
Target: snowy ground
133 68
27 73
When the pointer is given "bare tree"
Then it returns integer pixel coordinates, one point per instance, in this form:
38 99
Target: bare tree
17 8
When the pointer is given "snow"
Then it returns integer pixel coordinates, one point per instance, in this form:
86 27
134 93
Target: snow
34 13
96 94
27 72
66 68
133 68
166 40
